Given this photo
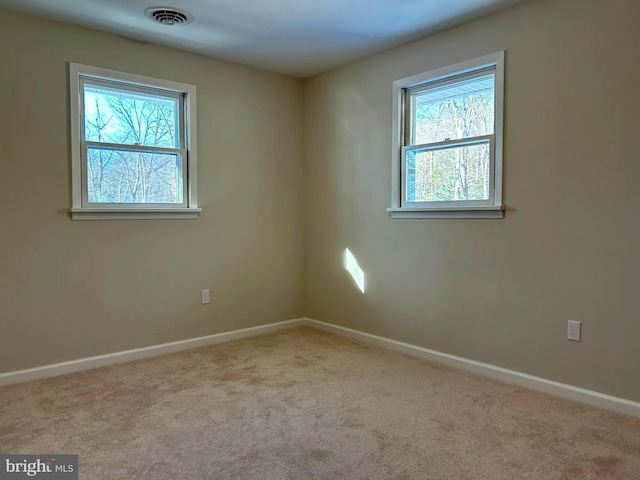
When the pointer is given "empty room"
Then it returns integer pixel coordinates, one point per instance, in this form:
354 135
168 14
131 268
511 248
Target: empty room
336 240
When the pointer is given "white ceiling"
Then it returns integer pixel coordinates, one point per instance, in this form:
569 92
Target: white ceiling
294 37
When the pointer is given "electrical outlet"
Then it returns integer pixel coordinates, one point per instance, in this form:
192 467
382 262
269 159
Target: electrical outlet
574 331
206 297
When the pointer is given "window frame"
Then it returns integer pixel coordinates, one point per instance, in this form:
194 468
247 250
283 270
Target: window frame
402 89
81 209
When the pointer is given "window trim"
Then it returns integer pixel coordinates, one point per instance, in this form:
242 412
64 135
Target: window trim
80 209
494 208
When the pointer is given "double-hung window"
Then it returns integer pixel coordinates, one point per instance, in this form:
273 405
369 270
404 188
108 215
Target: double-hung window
133 146
448 142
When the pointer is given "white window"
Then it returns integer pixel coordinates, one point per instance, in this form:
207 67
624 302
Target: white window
447 149
133 146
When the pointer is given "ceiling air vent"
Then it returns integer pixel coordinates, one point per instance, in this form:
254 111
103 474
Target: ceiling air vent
169 16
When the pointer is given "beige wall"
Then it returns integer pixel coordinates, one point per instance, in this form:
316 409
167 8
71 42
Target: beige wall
497 291
75 289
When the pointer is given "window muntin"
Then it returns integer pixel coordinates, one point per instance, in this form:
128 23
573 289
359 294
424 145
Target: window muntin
133 146
448 150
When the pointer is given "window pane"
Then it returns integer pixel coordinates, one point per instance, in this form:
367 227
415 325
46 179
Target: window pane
116 176
458 110
448 174
114 115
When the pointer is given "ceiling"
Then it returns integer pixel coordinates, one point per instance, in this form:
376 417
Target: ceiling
295 37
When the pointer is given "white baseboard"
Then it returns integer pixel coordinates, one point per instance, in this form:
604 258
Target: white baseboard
608 402
63 368
589 397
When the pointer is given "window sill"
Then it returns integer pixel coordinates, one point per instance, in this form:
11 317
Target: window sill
448 212
134 214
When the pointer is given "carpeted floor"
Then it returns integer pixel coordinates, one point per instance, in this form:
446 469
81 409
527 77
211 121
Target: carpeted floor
302 404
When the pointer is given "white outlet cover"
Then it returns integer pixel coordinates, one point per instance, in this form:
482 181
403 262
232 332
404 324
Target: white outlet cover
574 330
205 297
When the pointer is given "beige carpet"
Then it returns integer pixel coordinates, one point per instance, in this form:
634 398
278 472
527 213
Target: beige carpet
303 404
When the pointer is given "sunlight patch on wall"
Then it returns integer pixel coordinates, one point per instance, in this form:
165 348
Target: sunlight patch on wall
351 265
